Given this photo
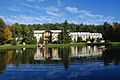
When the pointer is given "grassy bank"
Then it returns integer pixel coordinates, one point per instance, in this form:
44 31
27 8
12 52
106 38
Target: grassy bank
9 46
115 43
64 45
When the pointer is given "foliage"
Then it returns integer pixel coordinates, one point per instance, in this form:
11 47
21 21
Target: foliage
16 30
2 23
65 37
30 40
79 39
14 42
7 34
112 32
41 40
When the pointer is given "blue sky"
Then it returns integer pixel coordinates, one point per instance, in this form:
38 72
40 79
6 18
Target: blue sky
57 11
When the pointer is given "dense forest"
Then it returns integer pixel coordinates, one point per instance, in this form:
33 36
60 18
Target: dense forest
19 33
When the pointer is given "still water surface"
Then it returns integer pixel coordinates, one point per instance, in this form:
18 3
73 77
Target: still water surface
73 63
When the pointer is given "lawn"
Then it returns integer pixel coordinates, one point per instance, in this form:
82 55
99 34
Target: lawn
9 46
64 45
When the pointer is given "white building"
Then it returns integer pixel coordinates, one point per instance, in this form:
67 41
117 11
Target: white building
43 33
84 35
53 35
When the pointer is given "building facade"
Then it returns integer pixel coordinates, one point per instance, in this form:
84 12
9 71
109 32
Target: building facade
50 36
84 36
47 36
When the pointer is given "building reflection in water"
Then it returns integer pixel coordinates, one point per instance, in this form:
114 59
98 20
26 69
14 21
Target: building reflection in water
86 51
47 54
76 52
65 56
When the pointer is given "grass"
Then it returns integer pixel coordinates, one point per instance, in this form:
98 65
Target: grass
115 43
99 43
64 45
9 46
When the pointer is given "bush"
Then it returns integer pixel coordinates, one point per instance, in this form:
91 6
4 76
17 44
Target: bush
79 39
30 40
14 42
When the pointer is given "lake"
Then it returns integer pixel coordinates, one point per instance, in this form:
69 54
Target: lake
73 63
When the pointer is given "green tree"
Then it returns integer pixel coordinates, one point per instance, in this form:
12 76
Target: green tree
16 30
79 39
2 23
65 33
41 40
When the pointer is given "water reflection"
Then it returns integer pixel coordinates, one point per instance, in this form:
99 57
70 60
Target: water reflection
47 54
73 52
53 60
111 56
87 51
61 55
5 59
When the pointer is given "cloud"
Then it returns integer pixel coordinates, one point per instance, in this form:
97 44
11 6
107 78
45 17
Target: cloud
27 5
12 9
72 9
54 11
28 13
87 17
90 18
15 9
24 19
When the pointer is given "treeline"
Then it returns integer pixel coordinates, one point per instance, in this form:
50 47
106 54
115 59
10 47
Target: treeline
111 32
16 34
19 33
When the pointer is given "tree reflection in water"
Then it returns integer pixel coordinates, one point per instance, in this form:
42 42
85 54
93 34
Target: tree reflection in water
5 59
111 56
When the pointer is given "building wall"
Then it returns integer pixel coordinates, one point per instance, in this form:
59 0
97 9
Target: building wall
84 35
55 37
74 35
40 34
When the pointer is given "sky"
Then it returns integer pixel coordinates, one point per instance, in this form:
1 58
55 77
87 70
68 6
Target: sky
57 11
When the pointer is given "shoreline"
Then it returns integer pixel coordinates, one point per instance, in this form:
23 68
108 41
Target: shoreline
64 45
9 46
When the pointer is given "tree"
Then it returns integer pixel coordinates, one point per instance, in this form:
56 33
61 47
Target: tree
106 27
30 40
79 39
1 38
41 40
2 23
65 33
60 38
7 35
16 30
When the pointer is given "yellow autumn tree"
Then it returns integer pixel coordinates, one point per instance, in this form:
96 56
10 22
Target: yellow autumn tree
7 34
